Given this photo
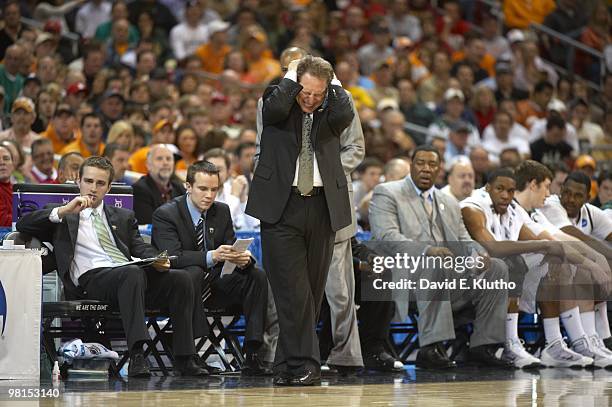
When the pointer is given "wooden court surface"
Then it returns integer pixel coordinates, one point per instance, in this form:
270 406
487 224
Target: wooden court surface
548 387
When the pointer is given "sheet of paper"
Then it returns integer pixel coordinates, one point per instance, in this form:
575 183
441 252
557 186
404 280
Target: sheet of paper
240 245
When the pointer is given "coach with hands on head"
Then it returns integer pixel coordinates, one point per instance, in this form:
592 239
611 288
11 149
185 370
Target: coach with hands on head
299 193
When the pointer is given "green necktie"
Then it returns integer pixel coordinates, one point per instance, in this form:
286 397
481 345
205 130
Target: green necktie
105 240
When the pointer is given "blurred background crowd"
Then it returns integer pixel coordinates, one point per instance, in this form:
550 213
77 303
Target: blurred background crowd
488 83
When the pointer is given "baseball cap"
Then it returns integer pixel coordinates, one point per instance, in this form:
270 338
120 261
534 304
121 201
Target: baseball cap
585 160
217 26
53 26
160 125
112 93
453 93
75 88
502 67
43 37
219 98
387 103
515 35
460 126
23 103
64 108
556 105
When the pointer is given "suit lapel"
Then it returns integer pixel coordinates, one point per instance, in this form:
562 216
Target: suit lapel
186 217
212 227
417 206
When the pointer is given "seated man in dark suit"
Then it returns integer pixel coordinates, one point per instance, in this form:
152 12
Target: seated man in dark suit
158 186
200 232
92 240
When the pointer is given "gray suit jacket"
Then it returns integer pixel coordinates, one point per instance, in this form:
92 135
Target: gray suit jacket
398 218
352 151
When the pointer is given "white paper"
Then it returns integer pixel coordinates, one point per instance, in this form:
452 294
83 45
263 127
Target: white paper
240 245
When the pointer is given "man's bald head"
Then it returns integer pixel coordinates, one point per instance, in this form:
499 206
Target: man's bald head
291 54
396 169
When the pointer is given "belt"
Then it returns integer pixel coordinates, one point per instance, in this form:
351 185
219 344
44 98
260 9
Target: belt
315 191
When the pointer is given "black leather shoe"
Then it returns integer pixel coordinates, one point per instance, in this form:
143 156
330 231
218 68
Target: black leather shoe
382 361
434 357
253 366
212 370
484 355
608 343
189 367
282 379
306 378
139 367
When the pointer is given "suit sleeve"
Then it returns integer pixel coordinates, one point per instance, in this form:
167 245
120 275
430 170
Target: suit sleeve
37 224
340 109
138 247
166 236
278 101
352 143
143 204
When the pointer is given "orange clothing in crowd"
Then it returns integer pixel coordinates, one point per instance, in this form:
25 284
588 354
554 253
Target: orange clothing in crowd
138 160
264 69
527 112
58 144
520 13
487 62
77 146
212 59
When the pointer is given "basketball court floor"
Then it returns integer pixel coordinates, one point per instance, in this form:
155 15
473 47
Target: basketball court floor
466 386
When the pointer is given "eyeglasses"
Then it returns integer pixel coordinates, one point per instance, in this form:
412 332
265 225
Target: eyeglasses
284 70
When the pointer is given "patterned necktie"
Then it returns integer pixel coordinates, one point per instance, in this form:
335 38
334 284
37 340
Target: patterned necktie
105 240
427 203
306 174
201 243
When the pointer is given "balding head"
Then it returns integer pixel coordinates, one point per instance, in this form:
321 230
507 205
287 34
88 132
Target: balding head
291 54
461 178
160 163
13 58
396 169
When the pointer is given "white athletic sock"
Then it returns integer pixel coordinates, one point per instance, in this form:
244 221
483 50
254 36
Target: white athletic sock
512 326
601 320
552 330
588 322
572 323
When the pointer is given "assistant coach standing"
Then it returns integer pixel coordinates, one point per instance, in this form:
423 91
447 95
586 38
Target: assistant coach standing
299 193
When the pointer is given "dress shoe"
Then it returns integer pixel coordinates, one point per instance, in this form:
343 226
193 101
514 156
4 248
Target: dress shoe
212 370
328 370
282 379
189 366
485 355
139 367
434 357
254 366
382 361
305 378
608 343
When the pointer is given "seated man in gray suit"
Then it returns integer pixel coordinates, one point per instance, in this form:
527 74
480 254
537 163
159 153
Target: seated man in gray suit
415 218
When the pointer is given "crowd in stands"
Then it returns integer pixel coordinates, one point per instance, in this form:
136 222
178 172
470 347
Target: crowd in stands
474 80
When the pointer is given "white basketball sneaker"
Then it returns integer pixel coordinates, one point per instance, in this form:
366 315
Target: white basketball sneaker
557 354
585 347
515 353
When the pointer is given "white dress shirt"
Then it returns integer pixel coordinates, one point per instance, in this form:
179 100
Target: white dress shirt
88 252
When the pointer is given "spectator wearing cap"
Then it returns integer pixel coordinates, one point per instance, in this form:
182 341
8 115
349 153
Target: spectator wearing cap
555 108
588 132
76 94
163 133
11 14
504 83
588 165
10 78
262 65
457 144
520 13
475 55
401 23
454 111
383 81
552 147
90 143
505 133
62 129
378 50
111 108
431 89
31 87
45 45
23 114
535 107
90 16
187 36
119 11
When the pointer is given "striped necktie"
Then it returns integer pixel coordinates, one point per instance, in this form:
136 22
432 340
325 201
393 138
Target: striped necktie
105 240
427 203
201 245
306 172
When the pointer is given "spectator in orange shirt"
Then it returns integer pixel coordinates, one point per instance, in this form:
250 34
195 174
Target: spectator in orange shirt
262 66
520 13
62 128
535 107
475 54
212 54
90 143
163 133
